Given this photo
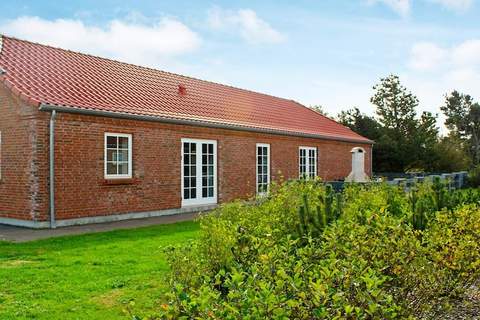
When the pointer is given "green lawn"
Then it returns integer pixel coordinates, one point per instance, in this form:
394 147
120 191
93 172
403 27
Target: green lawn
93 276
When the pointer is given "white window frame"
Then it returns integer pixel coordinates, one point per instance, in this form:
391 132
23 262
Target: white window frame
262 145
307 174
130 152
199 200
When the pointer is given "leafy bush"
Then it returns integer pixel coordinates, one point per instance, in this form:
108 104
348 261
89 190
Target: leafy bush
474 177
304 252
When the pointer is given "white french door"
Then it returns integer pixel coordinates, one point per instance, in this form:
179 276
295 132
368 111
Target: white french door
307 163
199 172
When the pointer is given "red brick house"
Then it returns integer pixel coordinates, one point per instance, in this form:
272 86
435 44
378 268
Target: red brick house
120 141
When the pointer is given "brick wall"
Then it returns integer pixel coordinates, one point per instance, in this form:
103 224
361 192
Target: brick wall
22 183
81 189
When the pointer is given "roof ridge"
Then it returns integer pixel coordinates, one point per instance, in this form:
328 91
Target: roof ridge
144 67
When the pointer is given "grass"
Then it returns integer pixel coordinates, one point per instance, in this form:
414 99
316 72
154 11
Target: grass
94 276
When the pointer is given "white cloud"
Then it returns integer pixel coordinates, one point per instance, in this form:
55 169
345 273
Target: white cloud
467 53
456 5
246 22
449 68
426 56
130 41
402 7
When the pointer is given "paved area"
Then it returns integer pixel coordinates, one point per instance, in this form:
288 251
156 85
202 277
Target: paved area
18 234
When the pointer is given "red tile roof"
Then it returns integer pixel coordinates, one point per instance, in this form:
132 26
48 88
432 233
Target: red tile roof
52 76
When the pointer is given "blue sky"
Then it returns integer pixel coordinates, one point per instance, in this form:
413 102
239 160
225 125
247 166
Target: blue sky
329 53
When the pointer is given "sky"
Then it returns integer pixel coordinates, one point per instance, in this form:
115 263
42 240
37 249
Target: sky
327 53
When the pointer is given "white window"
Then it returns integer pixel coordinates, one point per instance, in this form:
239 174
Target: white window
199 172
263 167
118 156
307 162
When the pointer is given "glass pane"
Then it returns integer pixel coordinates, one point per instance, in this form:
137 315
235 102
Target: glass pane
111 142
204 192
186 193
193 193
210 181
123 142
210 148
259 160
193 169
259 170
204 147
204 159
193 182
210 159
210 170
111 168
265 169
259 151
193 148
111 155
186 147
186 159
204 181
122 155
186 171
204 170
193 159
210 192
123 168
186 182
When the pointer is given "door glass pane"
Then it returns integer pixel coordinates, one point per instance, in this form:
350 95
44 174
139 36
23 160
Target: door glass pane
189 170
207 170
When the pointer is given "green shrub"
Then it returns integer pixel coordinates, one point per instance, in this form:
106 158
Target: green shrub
474 177
304 252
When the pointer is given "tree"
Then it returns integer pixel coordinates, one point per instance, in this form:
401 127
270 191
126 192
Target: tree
406 141
360 123
395 105
318 108
463 119
450 156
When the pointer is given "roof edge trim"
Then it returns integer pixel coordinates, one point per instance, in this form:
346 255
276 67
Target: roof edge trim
200 123
1 43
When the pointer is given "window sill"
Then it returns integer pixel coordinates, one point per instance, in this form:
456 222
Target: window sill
123 181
